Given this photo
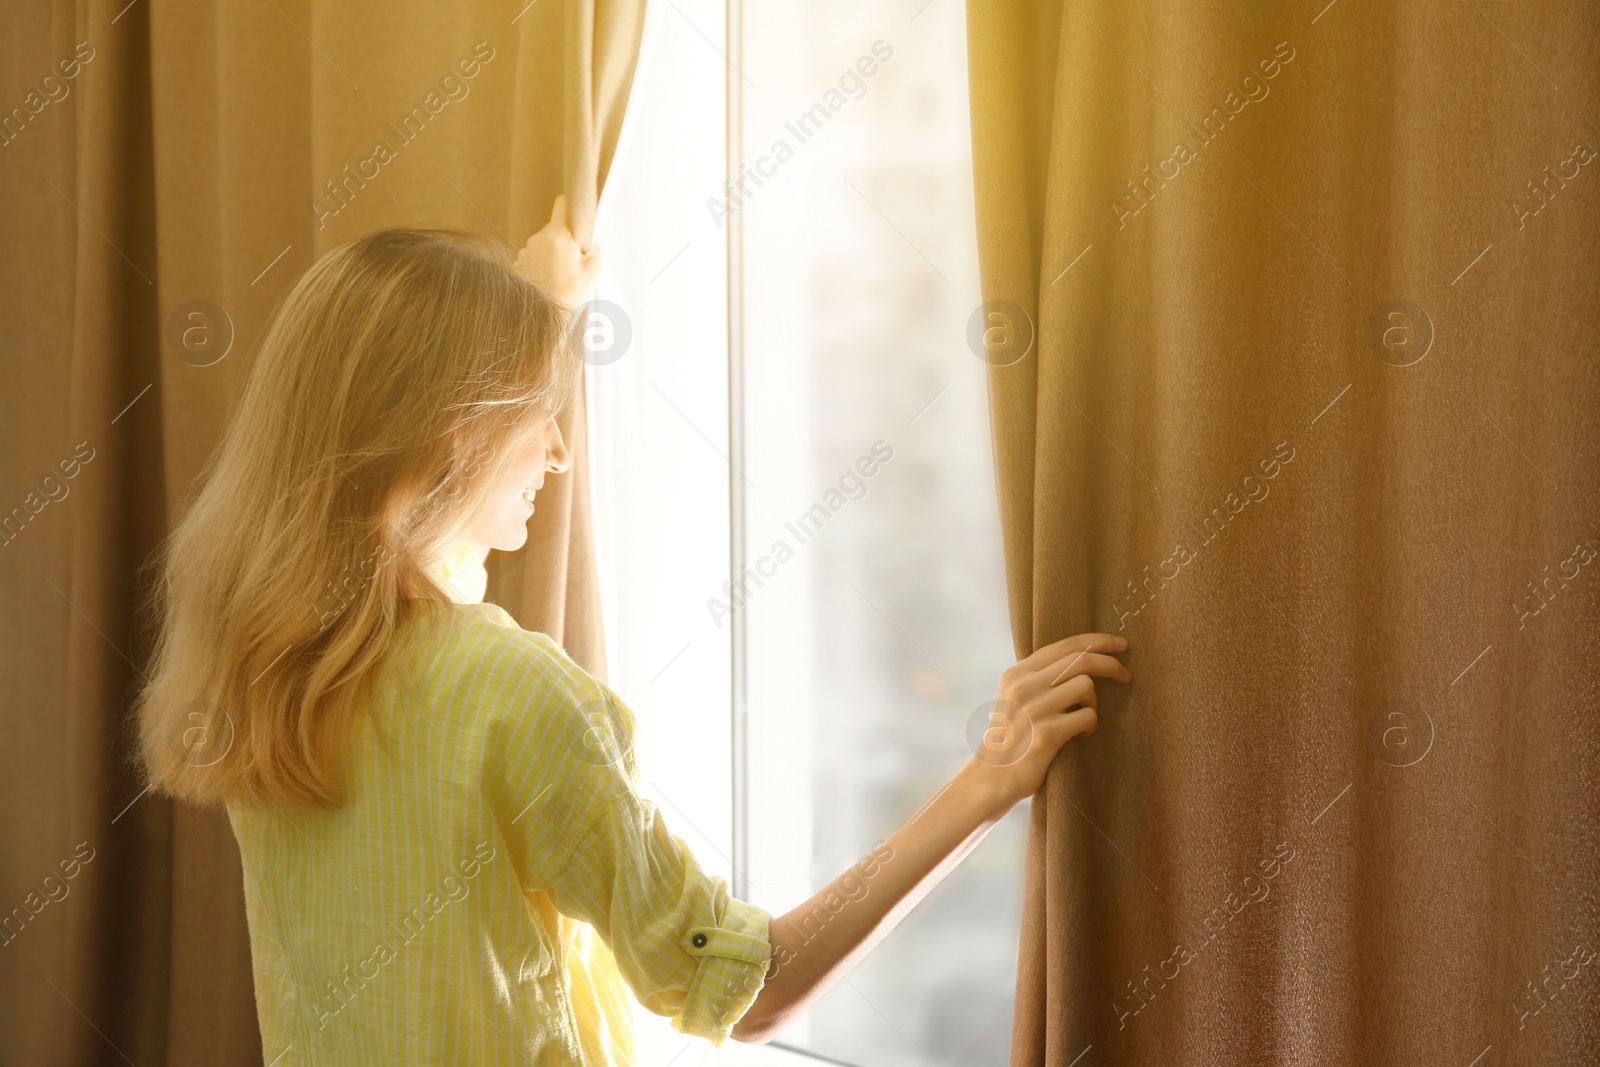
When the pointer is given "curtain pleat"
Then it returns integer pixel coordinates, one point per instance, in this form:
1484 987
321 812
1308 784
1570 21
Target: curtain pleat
1308 413
202 158
85 878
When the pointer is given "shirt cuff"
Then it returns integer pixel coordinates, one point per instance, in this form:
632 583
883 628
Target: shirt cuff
734 958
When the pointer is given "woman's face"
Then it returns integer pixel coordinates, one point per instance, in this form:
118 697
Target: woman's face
503 521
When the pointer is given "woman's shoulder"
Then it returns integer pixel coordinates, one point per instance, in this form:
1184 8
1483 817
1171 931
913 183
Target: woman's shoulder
532 700
476 654
483 639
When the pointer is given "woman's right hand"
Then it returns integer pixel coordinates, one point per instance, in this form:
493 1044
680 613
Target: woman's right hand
552 260
1034 715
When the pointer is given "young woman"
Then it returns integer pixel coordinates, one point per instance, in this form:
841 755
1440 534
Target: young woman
446 854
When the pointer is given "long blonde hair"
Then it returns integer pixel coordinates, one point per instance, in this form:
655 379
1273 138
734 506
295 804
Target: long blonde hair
400 373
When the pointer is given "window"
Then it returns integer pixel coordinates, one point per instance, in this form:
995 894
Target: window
814 553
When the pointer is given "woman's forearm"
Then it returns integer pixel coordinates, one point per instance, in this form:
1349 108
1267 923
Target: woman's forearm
815 944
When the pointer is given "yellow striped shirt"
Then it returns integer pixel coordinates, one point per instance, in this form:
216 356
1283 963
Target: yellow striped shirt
492 879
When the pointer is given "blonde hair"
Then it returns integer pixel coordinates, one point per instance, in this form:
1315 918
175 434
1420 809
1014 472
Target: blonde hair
400 373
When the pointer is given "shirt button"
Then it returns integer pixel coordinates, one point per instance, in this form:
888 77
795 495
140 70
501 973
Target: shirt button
699 940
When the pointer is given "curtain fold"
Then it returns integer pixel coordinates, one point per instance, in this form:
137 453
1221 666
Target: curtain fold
1292 312
204 156
84 884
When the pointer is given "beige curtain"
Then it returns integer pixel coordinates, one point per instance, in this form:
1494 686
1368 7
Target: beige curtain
159 202
1293 382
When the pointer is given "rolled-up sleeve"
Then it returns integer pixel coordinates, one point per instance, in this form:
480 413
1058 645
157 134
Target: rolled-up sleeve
688 949
563 777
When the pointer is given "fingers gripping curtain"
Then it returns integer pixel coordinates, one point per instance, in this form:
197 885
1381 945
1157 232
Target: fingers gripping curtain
1293 320
257 136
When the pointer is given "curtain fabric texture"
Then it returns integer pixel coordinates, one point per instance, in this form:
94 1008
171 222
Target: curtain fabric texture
161 199
1290 314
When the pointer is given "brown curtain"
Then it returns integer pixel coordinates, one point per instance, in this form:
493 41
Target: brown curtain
1292 373
160 199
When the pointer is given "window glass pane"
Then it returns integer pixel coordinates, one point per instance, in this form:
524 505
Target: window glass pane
875 599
